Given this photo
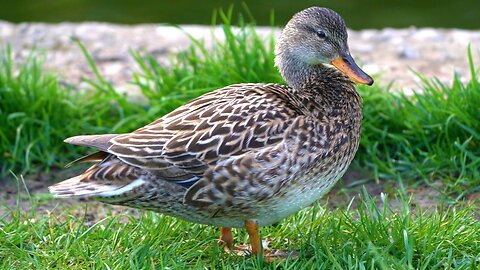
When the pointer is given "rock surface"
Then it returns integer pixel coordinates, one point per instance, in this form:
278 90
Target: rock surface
391 54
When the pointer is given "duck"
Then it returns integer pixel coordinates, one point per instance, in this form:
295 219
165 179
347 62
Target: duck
246 155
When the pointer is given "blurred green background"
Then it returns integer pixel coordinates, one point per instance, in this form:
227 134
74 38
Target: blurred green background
359 13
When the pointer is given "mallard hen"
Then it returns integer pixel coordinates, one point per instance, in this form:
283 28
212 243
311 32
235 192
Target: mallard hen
246 155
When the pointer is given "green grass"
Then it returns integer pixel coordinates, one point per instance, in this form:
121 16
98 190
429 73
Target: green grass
430 136
37 112
369 237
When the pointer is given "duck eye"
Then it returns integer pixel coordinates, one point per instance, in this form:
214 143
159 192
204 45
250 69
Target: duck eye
321 34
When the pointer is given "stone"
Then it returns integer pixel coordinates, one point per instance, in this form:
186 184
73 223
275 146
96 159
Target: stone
409 53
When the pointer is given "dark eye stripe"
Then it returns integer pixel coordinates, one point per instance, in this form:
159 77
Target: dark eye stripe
320 33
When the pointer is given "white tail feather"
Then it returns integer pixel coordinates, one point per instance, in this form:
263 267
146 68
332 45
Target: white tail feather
74 187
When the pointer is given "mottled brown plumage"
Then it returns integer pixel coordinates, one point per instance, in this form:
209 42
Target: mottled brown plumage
244 154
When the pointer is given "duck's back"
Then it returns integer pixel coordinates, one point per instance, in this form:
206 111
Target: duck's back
231 121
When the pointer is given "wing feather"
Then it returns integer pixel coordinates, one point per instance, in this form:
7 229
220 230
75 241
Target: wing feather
231 121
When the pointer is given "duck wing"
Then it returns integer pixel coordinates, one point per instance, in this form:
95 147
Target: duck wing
227 122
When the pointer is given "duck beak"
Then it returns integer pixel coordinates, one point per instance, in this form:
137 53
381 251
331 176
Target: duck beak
347 65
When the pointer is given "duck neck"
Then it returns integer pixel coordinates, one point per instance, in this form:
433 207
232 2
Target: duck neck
298 74
322 90
294 72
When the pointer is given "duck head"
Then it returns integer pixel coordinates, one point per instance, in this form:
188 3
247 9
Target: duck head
313 38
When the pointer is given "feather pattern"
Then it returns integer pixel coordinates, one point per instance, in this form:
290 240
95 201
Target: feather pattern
228 122
241 145
244 152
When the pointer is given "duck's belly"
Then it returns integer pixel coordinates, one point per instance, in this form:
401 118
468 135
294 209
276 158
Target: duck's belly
291 200
302 192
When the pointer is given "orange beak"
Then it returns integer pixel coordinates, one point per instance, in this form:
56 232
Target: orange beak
347 65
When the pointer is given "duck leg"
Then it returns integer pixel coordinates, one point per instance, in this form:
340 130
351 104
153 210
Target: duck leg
226 238
252 230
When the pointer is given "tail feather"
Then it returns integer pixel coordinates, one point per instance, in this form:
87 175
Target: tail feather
110 179
75 187
95 157
101 142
